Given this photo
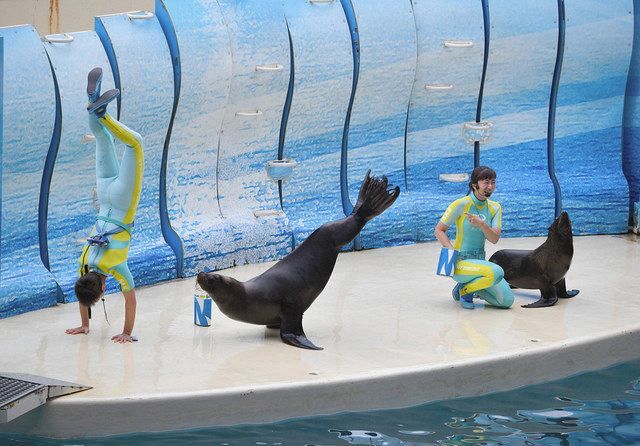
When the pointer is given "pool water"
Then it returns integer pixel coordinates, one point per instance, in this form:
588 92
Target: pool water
595 408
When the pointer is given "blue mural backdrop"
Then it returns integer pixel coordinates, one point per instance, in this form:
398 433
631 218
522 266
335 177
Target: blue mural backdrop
387 42
631 129
145 78
28 119
221 89
445 94
516 102
249 200
1 139
72 208
202 69
589 115
323 67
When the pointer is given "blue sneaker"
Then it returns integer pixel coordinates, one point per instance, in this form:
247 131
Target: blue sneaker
466 301
99 107
94 80
456 292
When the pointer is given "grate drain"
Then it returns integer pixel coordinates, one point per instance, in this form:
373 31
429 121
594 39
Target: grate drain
20 393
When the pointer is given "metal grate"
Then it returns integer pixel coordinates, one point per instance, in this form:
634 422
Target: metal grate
13 389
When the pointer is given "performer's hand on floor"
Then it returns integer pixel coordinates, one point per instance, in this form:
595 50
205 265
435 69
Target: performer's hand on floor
123 338
77 330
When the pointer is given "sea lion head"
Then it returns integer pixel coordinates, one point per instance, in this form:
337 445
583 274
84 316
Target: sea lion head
561 228
219 287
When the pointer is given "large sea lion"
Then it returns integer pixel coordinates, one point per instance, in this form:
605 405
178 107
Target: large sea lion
543 268
279 297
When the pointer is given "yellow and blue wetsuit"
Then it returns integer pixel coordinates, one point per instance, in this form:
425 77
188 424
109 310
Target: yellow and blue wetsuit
119 187
479 276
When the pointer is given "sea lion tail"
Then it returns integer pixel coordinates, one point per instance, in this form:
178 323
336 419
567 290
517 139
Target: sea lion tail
374 197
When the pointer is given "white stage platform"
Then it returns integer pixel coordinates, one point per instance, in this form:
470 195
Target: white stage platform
391 333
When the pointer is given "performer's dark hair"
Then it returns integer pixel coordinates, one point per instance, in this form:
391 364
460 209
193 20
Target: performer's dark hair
481 173
88 288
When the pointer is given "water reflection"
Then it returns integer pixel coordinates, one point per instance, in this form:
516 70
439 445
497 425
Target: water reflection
603 409
369 438
574 422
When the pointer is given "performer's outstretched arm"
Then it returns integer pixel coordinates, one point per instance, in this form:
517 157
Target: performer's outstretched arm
129 317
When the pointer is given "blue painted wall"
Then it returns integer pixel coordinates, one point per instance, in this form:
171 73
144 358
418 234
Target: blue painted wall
1 136
444 97
29 111
201 53
589 115
516 101
378 119
258 230
219 88
631 128
322 81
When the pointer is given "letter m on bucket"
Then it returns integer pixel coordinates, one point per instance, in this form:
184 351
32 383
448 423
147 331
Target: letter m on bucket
447 262
202 312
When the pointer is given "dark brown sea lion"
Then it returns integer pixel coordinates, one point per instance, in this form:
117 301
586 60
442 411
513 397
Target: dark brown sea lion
280 296
543 268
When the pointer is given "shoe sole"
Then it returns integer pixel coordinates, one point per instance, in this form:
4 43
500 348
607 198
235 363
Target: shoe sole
99 107
94 79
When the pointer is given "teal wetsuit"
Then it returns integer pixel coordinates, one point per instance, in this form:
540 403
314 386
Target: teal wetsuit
479 276
119 186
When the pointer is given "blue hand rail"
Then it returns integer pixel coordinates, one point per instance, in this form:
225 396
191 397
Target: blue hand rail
557 71
486 20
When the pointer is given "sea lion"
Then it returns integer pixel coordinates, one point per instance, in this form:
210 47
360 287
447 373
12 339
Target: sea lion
543 268
279 297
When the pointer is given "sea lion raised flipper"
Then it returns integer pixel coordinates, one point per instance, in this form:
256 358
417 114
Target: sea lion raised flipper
561 290
291 331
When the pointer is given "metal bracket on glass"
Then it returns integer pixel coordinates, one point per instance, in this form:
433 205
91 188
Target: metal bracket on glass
140 15
262 213
249 113
477 131
59 38
454 177
438 87
269 67
280 170
458 43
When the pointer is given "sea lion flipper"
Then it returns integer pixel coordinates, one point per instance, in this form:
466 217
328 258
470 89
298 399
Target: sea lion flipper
299 341
541 303
562 292
547 299
291 331
374 198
